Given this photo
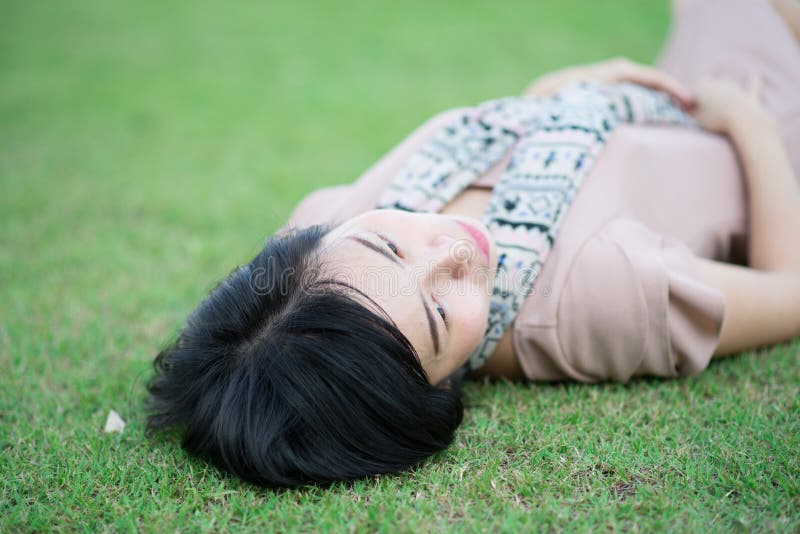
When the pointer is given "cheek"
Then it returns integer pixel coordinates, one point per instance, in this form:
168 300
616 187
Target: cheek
472 320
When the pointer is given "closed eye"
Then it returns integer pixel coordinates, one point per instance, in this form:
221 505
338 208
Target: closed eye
391 245
441 312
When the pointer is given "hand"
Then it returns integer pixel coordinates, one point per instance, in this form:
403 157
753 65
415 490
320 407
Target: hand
721 104
613 71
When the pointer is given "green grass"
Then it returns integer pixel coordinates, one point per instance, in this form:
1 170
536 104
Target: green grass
146 148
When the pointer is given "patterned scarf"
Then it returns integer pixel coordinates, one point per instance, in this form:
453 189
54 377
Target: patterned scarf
556 141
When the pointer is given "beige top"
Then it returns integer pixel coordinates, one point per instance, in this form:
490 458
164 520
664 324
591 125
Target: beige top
618 295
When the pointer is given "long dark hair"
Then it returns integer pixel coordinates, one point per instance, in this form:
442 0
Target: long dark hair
283 378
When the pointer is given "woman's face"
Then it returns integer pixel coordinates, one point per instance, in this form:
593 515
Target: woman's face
432 274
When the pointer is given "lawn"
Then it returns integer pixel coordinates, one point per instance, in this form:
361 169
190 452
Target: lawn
146 148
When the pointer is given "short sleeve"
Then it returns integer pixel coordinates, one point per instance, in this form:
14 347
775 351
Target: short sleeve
632 304
338 203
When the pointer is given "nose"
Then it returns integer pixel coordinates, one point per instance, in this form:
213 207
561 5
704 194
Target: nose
449 257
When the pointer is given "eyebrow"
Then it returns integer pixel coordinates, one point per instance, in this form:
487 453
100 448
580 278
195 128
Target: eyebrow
372 246
434 330
431 325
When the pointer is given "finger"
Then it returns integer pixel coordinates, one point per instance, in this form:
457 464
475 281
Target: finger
656 79
754 86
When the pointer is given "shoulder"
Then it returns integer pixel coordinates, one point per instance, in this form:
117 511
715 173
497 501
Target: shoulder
635 304
630 303
340 202
319 206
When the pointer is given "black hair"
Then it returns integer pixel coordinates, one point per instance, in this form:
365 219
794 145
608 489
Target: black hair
283 378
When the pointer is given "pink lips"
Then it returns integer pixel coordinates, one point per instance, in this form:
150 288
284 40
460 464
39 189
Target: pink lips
478 237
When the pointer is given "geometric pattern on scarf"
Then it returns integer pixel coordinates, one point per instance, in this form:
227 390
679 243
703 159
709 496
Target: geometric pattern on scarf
555 142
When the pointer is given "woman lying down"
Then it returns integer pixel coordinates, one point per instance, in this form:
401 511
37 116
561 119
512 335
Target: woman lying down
596 228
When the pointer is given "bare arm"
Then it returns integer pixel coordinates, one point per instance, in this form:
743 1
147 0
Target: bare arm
763 301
